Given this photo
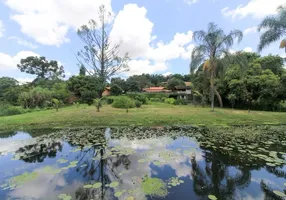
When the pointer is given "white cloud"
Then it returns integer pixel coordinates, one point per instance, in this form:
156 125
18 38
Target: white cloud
2 29
133 30
23 80
190 2
250 30
8 62
248 49
49 21
167 74
145 66
23 42
255 8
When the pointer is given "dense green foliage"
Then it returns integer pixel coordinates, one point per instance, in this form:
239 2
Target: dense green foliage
173 82
115 90
6 109
41 67
213 44
79 84
123 102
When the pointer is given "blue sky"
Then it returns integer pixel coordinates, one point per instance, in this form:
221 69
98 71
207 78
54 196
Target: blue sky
156 33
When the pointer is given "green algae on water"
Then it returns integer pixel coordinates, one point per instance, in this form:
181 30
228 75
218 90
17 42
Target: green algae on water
18 181
154 187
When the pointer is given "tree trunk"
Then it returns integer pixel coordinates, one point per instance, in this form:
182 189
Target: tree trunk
212 90
219 97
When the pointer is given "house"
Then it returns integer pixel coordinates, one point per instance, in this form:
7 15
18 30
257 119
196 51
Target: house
155 90
106 92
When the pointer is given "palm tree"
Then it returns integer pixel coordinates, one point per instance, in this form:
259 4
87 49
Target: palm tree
213 45
275 29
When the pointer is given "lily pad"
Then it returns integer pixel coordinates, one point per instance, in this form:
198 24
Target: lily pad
62 161
212 197
113 184
154 187
87 186
118 194
278 193
64 197
142 160
97 185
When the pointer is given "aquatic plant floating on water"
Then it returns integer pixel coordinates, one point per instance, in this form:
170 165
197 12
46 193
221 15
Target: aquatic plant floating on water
62 161
20 180
65 197
278 193
174 181
113 184
154 187
212 197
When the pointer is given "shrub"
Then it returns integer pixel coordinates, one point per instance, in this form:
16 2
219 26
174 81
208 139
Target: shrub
98 104
123 102
142 98
56 103
37 97
109 100
7 110
88 96
155 99
138 104
115 90
170 100
148 95
181 102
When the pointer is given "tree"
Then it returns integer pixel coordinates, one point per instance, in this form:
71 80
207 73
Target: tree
82 70
56 103
99 53
214 44
79 84
232 98
98 104
173 82
41 67
120 82
115 90
275 29
6 83
274 63
137 82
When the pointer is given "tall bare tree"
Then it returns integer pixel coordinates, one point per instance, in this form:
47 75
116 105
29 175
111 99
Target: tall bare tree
99 53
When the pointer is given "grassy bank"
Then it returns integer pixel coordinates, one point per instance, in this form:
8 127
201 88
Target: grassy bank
149 115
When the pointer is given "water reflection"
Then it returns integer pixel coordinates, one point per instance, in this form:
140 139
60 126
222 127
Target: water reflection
106 158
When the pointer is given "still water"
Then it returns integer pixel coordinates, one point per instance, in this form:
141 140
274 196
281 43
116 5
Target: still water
102 165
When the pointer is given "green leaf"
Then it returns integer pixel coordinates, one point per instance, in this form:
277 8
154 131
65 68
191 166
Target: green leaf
212 197
278 193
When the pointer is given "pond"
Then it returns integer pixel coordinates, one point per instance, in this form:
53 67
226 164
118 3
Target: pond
144 163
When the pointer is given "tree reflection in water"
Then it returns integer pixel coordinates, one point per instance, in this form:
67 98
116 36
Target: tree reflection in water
216 179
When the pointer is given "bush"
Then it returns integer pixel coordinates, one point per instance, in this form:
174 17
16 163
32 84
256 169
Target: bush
115 90
155 99
181 102
148 95
123 102
7 110
109 100
88 97
142 98
138 104
170 101
37 97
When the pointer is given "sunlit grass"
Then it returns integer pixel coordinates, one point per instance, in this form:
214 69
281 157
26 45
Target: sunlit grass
149 115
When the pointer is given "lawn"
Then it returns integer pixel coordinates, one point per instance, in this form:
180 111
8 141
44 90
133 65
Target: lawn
158 114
